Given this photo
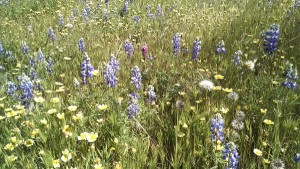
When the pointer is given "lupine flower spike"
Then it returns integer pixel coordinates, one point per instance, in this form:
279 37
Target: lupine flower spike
230 154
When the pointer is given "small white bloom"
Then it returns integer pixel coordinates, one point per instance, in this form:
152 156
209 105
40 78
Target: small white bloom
207 85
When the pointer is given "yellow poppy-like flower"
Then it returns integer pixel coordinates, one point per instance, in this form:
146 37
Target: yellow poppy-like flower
55 163
257 152
35 132
263 111
42 152
51 111
39 99
264 144
55 100
192 108
8 109
116 140
11 158
266 161
227 90
268 122
9 147
67 156
98 166
181 135
83 136
11 114
219 77
95 73
217 88
185 125
29 143
13 139
181 93
60 116
224 110
72 108
219 147
44 121
256 41
2 105
102 106
60 89
62 75
275 82
92 137
118 166
77 116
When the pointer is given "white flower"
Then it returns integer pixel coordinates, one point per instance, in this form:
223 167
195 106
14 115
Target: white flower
250 64
207 85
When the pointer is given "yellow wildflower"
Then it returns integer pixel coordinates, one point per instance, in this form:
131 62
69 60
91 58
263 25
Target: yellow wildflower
95 72
217 88
102 106
266 161
263 111
92 137
39 99
55 163
55 100
83 136
29 143
219 77
60 116
9 147
227 90
268 122
52 111
257 152
72 108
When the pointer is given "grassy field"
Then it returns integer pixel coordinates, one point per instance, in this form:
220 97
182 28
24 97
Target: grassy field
160 84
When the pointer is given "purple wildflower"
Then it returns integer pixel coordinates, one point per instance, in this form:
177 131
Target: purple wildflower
128 48
230 154
81 45
25 47
136 77
110 76
221 48
216 127
196 49
271 38
176 44
51 34
86 68
40 56
11 89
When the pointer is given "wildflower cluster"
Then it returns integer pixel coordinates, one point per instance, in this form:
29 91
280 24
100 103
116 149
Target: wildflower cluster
136 77
86 68
196 49
151 94
291 75
128 48
230 154
216 128
271 38
221 48
110 72
176 44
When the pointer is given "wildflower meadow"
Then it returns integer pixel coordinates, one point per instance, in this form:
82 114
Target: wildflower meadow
134 84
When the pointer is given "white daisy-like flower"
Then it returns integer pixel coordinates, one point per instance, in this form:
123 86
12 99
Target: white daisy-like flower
207 85
250 64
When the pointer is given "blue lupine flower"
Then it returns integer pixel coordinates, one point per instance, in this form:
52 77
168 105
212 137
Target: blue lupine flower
10 55
1 50
135 96
237 57
196 49
133 108
151 16
81 45
106 1
40 56
86 68
271 38
110 76
26 87
136 19
289 84
85 15
221 48
49 64
148 9
128 48
31 62
51 34
297 158
11 88
125 8
32 74
151 94
176 44
88 9
216 127
290 73
159 10
25 48
61 21
230 154
114 63
136 77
